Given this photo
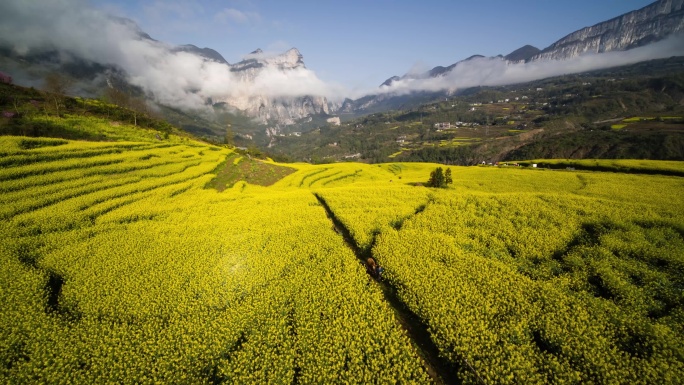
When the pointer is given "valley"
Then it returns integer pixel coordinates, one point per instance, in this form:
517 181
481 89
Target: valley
625 112
172 214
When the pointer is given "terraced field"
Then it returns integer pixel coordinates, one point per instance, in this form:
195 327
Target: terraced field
122 262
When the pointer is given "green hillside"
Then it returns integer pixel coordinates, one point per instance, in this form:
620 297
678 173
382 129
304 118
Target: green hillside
35 113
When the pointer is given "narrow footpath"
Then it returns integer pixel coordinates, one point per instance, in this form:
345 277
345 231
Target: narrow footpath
439 369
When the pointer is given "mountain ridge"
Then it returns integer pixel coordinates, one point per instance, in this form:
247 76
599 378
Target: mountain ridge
266 87
205 52
650 24
522 54
629 30
274 111
606 36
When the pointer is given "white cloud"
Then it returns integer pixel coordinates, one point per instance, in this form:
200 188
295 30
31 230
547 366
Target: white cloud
175 78
186 80
494 71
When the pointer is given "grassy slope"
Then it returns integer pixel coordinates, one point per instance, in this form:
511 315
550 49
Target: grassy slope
35 113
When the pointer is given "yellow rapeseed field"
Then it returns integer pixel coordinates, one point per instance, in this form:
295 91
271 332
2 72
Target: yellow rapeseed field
118 265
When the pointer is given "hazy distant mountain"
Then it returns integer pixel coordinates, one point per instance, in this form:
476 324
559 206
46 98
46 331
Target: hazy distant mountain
278 90
522 54
433 73
206 53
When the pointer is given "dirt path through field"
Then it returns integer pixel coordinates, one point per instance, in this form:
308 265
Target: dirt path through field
441 371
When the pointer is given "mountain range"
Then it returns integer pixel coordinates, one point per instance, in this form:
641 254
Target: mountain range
639 28
266 87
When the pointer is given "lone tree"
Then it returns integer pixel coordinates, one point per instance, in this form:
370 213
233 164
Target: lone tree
438 178
56 85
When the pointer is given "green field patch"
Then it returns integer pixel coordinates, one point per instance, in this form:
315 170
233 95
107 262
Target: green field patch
30 143
237 168
618 126
395 168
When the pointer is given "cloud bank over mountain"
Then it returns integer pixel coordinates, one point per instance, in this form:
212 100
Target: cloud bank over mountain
495 71
183 79
74 29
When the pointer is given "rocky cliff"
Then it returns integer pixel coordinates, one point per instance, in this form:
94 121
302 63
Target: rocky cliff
276 110
633 29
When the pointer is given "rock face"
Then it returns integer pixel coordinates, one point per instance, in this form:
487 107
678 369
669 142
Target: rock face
335 121
280 111
633 29
274 110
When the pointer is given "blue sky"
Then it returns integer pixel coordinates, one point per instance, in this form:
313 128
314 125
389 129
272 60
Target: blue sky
362 43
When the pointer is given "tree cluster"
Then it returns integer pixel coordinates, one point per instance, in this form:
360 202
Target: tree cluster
440 178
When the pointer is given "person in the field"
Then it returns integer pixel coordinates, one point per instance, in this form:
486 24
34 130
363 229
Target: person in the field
374 269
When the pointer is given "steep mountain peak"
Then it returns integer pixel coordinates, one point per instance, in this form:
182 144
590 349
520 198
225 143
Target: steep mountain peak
389 81
273 108
292 58
293 51
476 56
523 53
132 26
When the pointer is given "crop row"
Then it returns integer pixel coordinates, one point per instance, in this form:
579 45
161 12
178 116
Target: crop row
367 212
579 284
137 274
